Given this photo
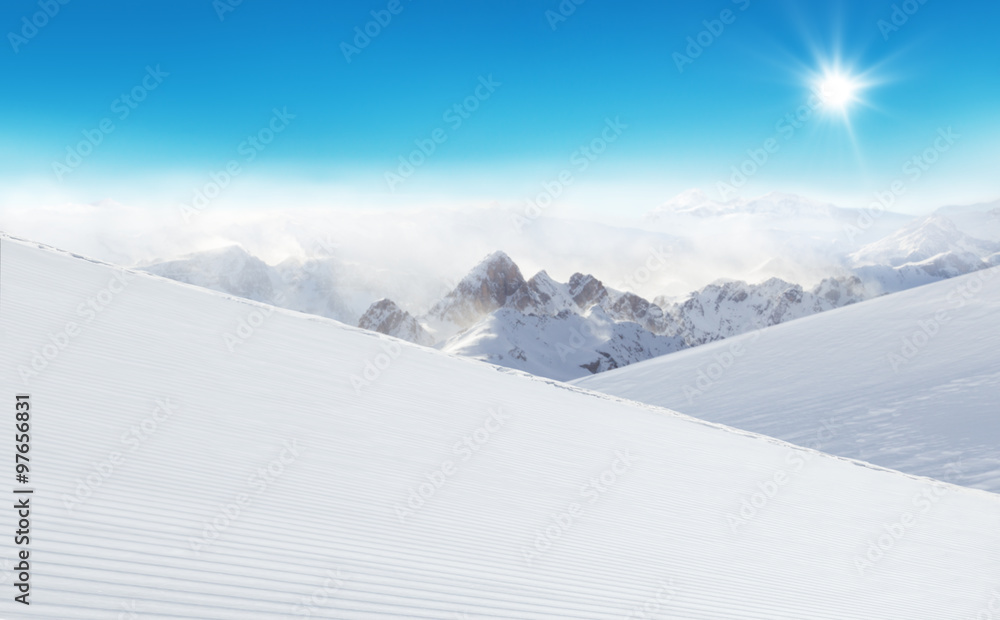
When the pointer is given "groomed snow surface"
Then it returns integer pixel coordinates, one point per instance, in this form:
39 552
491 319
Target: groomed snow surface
188 467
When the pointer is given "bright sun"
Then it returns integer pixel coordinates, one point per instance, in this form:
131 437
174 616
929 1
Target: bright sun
837 90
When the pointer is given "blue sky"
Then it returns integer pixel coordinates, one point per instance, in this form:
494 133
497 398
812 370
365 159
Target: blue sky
222 70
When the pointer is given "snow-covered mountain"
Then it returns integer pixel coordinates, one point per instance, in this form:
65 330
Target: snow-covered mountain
696 203
723 310
385 317
228 270
567 330
909 381
920 241
323 471
540 315
486 288
925 251
978 220
562 346
777 235
324 285
543 295
415 256
941 267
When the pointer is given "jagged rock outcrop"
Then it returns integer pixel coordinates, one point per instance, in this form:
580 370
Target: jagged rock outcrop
587 291
723 310
541 295
385 317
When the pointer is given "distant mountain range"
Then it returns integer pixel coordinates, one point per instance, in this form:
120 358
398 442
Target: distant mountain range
567 330
925 251
775 204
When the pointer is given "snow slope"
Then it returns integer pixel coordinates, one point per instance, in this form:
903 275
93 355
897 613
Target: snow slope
188 467
911 380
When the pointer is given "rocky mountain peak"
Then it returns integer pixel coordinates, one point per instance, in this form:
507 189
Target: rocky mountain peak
386 317
486 288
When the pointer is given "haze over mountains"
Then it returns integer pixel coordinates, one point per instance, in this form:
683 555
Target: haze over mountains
416 256
584 324
566 330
